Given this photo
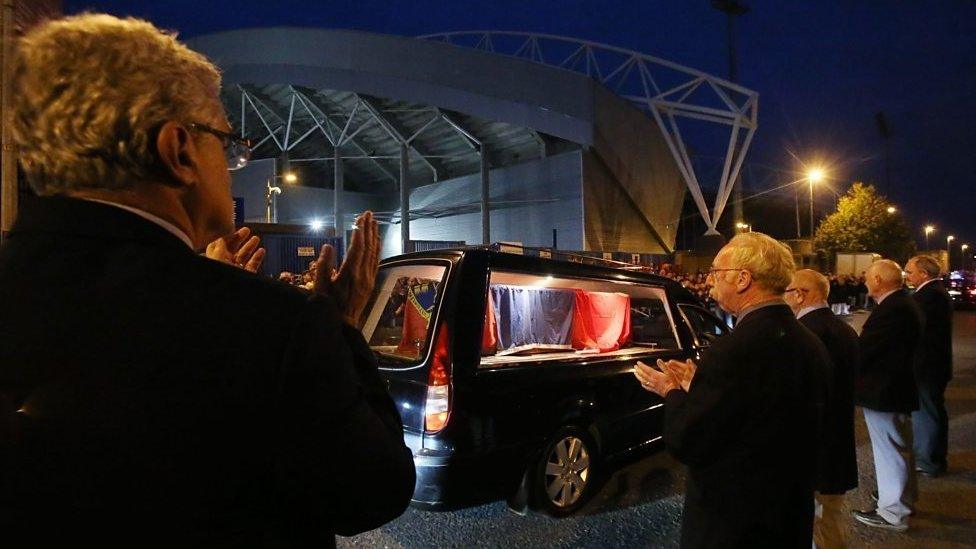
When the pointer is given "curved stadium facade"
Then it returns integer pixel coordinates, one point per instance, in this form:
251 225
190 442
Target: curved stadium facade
473 137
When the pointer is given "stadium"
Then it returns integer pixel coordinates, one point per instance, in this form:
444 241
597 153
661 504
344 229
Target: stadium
472 138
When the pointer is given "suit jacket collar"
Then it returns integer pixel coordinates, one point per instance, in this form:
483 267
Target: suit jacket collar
73 217
821 312
931 284
892 300
767 311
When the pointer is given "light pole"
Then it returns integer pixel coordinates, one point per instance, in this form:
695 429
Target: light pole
814 175
928 230
949 240
962 250
271 196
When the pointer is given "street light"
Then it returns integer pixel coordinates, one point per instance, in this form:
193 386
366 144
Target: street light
949 240
962 255
928 229
271 195
744 227
814 175
892 209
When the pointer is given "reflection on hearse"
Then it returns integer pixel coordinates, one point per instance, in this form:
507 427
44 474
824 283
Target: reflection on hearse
401 311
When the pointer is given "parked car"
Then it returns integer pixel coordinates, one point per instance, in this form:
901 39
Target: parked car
514 374
962 290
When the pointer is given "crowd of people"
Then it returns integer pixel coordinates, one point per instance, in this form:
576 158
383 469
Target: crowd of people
170 397
304 280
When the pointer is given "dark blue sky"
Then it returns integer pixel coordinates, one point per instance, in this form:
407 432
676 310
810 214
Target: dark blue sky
822 68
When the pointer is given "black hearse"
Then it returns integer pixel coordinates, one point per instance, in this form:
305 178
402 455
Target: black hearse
513 374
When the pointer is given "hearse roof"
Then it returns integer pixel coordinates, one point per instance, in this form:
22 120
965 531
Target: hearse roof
556 266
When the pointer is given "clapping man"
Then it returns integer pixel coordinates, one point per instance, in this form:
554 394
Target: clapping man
745 422
807 296
885 390
151 396
933 365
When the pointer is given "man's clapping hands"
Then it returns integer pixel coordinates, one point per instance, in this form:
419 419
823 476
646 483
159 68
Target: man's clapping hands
238 249
352 284
673 374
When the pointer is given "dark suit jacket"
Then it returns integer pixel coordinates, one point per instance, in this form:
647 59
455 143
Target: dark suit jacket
748 431
933 357
170 399
838 459
885 380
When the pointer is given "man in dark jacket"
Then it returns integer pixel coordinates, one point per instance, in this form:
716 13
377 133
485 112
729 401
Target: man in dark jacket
807 296
151 396
885 389
746 420
933 365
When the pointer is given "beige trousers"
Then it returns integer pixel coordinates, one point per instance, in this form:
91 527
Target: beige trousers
829 528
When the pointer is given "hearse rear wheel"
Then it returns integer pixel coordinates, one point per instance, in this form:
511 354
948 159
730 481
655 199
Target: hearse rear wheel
565 475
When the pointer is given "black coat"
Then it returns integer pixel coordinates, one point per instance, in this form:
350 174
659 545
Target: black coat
885 380
748 431
168 399
838 460
933 357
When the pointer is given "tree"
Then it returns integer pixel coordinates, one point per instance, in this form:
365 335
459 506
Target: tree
862 223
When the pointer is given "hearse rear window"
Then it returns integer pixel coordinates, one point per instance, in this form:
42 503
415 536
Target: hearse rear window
399 312
530 318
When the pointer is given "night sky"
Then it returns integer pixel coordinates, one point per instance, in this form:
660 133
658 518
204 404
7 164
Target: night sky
822 68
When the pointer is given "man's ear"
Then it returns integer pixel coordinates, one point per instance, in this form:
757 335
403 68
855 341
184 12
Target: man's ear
177 154
744 281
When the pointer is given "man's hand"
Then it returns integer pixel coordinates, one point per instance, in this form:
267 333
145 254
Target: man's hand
682 372
238 250
655 381
352 284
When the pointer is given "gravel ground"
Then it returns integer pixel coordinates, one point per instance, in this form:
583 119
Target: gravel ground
640 504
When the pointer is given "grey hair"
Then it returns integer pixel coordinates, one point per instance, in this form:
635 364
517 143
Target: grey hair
927 264
89 93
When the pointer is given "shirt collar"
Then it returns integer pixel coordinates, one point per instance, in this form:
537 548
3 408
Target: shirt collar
173 229
807 310
757 306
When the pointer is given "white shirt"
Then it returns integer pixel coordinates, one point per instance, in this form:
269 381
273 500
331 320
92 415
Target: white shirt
807 310
173 229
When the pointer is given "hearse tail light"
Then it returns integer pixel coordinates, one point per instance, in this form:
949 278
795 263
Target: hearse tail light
438 407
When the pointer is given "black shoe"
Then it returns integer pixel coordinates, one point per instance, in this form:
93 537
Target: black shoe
928 474
874 520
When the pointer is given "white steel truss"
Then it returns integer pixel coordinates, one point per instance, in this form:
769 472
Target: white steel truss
340 129
666 90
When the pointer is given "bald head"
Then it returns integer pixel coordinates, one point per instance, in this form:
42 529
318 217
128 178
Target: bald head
808 289
816 285
882 277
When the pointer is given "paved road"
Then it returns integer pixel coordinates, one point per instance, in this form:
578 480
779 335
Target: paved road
640 505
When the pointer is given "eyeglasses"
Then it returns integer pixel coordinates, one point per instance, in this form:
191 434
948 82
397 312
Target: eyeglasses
236 149
713 270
